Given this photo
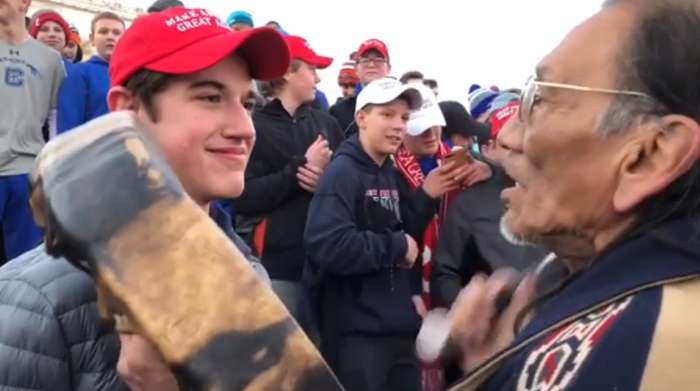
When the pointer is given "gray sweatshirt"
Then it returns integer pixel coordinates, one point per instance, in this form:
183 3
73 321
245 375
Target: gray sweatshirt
31 75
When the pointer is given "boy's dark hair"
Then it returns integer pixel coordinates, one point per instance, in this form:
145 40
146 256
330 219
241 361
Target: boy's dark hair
105 15
411 75
162 5
430 83
145 85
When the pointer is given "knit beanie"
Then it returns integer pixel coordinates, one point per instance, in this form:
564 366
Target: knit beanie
47 15
480 100
75 37
240 17
347 74
162 5
502 100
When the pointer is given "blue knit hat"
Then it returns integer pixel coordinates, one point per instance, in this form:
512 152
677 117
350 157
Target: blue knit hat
480 100
240 17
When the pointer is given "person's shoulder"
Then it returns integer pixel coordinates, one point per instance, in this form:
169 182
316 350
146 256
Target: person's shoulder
341 164
44 51
321 114
75 69
56 285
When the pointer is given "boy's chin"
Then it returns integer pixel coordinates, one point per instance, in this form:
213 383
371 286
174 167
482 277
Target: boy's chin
230 187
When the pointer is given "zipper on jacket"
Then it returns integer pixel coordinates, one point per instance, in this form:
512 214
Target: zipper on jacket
392 277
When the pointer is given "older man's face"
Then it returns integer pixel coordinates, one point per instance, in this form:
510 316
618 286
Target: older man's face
566 173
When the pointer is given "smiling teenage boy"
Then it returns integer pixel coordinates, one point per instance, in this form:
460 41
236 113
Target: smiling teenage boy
189 79
359 240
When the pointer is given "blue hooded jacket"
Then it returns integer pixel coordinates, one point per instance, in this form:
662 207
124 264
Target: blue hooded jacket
354 238
83 95
322 99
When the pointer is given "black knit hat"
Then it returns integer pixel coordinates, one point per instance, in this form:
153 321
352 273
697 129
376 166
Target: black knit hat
162 5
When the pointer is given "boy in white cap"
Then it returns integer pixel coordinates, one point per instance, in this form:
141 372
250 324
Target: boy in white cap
361 249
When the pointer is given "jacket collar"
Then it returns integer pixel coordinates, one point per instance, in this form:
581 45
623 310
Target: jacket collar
641 261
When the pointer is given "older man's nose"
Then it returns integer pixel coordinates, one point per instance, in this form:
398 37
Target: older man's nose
511 135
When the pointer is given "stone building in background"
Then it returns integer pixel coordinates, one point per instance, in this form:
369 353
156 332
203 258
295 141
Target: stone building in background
79 13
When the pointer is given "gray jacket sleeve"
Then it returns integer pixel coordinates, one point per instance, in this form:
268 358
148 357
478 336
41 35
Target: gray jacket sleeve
254 261
51 334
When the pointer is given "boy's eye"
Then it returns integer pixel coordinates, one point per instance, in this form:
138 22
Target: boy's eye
211 98
249 105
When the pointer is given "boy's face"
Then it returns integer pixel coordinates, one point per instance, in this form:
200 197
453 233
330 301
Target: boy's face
104 38
13 9
70 51
384 127
203 127
425 144
240 26
302 82
52 35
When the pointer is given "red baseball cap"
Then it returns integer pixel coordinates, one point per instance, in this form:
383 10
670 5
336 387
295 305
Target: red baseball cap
373 44
299 48
501 117
181 40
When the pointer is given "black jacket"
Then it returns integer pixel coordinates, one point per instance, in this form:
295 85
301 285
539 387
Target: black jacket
471 242
344 113
51 335
273 202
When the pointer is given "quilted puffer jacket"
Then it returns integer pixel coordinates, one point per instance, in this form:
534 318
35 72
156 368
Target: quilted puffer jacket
51 335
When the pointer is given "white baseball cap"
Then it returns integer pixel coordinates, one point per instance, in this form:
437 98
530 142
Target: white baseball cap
386 90
428 115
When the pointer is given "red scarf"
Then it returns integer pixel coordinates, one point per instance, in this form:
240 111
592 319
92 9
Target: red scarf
407 163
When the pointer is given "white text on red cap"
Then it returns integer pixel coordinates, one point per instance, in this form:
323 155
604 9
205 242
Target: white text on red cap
506 111
192 19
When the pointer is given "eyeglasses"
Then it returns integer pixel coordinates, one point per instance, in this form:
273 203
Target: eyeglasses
364 61
531 92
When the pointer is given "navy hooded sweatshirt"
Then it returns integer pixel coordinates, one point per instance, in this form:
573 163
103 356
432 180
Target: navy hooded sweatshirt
354 237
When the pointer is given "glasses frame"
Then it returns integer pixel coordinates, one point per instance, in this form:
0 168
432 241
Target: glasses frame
531 89
378 61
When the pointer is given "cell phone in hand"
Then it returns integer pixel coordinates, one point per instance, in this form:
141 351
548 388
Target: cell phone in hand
460 156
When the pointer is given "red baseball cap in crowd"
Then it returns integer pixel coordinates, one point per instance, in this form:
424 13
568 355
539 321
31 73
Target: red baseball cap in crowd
373 44
181 40
501 116
299 48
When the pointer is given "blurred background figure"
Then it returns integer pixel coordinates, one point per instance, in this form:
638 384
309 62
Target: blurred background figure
480 100
432 84
240 20
162 5
460 128
348 80
412 77
72 51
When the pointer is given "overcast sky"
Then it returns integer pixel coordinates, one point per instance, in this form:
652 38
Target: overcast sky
456 42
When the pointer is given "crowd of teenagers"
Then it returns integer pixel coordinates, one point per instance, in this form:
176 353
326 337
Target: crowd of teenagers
367 215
